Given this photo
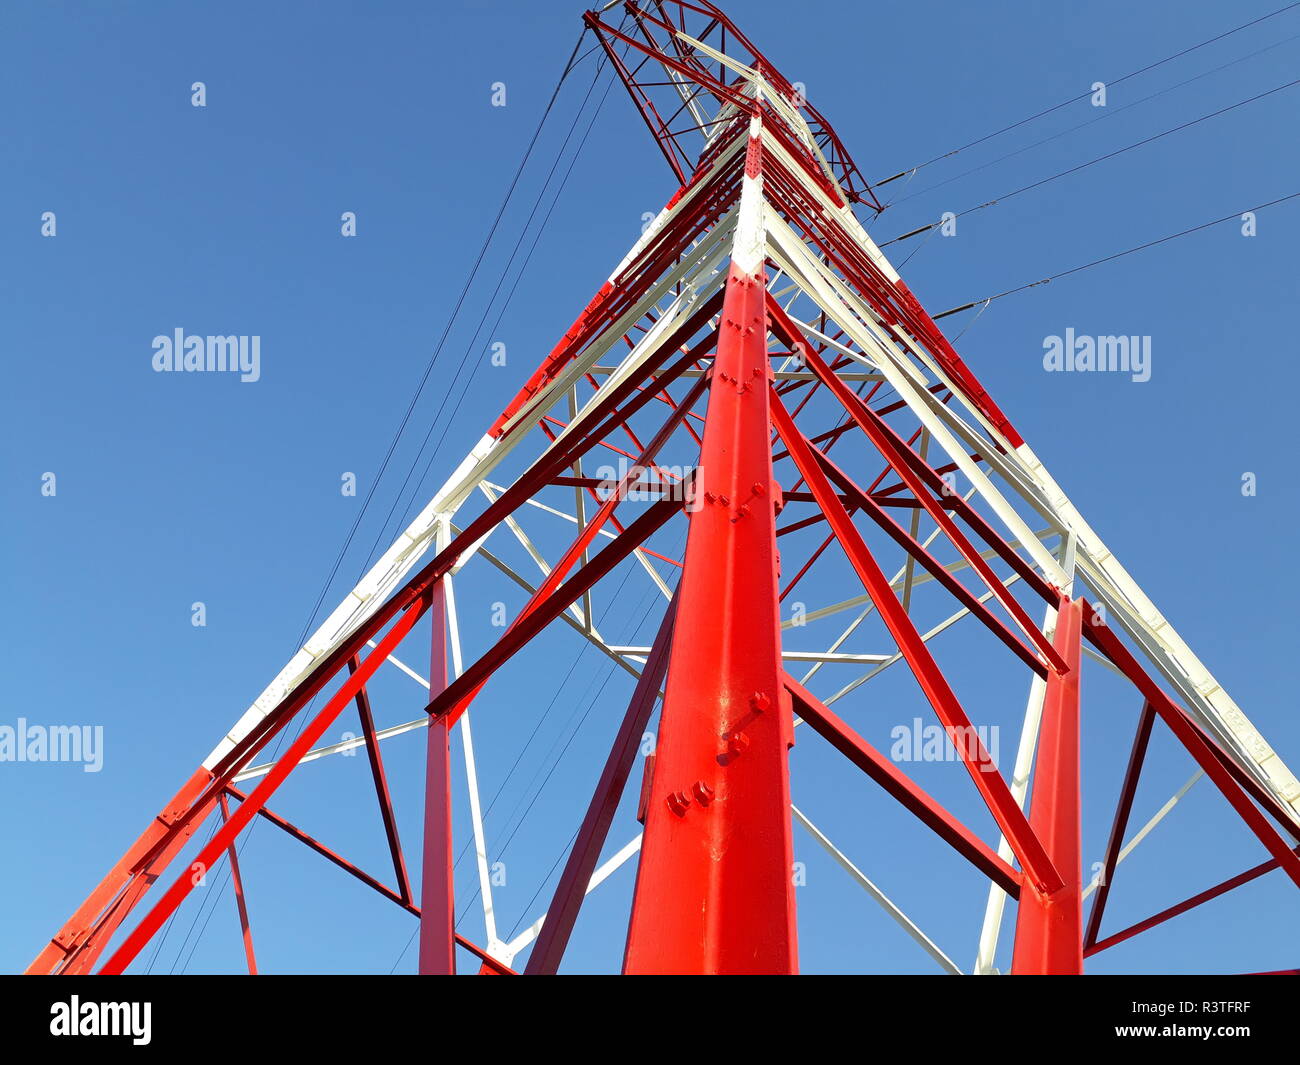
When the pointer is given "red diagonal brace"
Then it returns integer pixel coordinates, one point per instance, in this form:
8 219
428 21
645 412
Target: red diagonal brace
78 944
562 914
893 452
577 551
1233 882
1122 810
835 731
294 832
992 787
461 690
932 565
381 785
177 893
1196 742
238 882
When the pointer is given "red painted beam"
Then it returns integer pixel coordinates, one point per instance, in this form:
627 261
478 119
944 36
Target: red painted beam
1122 811
437 884
1253 873
864 502
238 882
1198 745
457 695
290 829
714 891
381 785
287 762
78 943
1049 925
938 692
835 731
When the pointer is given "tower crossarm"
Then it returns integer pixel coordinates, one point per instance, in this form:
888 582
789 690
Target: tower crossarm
688 68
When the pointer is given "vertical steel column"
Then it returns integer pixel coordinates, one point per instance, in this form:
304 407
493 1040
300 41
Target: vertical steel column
437 885
714 892
1049 927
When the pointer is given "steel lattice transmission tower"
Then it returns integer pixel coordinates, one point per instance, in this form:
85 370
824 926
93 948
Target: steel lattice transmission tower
757 335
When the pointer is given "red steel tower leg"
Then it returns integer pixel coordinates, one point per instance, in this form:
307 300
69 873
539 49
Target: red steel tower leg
714 892
1049 927
437 911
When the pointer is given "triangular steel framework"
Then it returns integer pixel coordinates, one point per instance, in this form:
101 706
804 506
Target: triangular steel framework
753 328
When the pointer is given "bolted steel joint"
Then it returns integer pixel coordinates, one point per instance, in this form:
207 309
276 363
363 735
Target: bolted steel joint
736 743
678 801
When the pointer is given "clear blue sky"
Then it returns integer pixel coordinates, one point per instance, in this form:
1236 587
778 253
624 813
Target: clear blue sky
180 488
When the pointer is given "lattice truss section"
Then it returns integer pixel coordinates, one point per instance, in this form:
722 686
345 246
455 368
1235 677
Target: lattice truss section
752 406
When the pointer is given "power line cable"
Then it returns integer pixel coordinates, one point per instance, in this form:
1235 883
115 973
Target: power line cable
1086 95
1106 113
1117 255
460 300
1092 162
501 313
433 422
